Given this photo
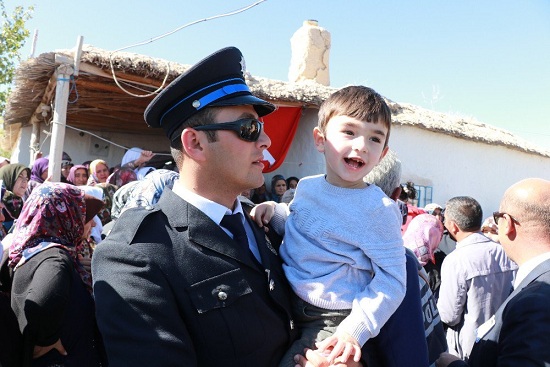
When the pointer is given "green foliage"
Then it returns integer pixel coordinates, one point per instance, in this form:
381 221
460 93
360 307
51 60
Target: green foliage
13 35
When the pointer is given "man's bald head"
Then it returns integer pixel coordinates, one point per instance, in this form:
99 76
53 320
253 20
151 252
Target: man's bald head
529 200
528 203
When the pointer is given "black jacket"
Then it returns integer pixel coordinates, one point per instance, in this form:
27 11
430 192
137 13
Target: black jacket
520 335
173 289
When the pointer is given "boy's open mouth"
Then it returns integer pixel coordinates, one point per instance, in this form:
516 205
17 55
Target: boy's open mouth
354 162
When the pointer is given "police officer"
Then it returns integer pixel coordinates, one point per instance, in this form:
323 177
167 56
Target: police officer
192 281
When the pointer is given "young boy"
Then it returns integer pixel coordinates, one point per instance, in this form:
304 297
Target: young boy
342 250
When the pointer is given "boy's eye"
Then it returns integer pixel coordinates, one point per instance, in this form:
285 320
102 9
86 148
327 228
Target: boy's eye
348 132
376 139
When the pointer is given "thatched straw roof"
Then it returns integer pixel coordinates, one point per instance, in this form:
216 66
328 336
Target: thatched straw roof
97 103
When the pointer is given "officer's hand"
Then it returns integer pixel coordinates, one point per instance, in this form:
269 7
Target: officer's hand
445 359
40 351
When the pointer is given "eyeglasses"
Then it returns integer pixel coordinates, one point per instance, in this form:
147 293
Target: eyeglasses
497 215
248 129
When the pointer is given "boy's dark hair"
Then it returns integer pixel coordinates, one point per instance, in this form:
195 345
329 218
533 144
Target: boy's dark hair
359 102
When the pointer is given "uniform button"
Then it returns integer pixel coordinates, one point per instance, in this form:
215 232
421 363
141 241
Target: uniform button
291 324
222 296
271 285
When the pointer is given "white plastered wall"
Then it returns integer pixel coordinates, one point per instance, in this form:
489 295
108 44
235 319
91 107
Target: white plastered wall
84 147
458 167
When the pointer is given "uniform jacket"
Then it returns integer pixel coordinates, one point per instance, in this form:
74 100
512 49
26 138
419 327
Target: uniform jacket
173 289
520 335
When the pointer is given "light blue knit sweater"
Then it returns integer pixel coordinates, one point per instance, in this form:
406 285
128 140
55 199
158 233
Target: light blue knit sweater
342 249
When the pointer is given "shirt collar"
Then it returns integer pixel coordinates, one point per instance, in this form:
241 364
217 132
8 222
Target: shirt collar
528 267
472 239
212 209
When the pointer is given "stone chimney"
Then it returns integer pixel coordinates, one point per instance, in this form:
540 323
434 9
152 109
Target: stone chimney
310 47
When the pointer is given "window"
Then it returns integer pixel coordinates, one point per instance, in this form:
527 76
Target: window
423 195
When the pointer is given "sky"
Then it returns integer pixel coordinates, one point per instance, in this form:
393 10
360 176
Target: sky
487 60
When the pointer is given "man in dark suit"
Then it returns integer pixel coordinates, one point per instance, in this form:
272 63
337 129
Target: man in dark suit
519 333
178 283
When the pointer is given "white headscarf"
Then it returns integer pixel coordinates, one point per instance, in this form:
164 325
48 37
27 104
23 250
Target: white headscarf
131 155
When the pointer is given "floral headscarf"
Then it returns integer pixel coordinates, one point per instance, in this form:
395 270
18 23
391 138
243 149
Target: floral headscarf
120 197
149 190
38 168
13 203
53 216
108 193
72 172
423 236
122 176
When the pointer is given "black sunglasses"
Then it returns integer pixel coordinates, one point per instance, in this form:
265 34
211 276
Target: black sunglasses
248 129
497 215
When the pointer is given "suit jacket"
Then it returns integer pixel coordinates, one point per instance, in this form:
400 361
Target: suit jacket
173 289
521 333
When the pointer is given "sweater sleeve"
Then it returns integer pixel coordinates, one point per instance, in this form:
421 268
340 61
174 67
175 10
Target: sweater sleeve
279 218
372 307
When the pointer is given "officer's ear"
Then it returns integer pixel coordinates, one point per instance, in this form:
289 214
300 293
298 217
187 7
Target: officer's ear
193 143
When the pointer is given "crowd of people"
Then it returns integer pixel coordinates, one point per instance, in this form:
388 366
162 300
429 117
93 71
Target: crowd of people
144 266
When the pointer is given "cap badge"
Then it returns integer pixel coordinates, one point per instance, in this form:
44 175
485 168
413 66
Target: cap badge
196 104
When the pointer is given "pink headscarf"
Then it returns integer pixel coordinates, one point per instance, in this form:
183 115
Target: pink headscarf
423 236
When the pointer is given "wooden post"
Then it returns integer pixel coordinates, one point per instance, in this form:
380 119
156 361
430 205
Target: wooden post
63 77
64 73
35 141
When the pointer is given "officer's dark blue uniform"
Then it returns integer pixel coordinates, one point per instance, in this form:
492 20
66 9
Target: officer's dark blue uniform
171 287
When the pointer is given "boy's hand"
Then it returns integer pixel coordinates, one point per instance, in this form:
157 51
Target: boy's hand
263 212
343 346
313 358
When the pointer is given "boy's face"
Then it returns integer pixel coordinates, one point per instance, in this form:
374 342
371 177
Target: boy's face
352 148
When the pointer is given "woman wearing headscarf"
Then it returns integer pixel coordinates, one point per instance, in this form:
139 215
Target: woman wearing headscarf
39 173
135 159
423 236
278 188
51 290
78 175
99 172
108 193
15 178
95 234
122 176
